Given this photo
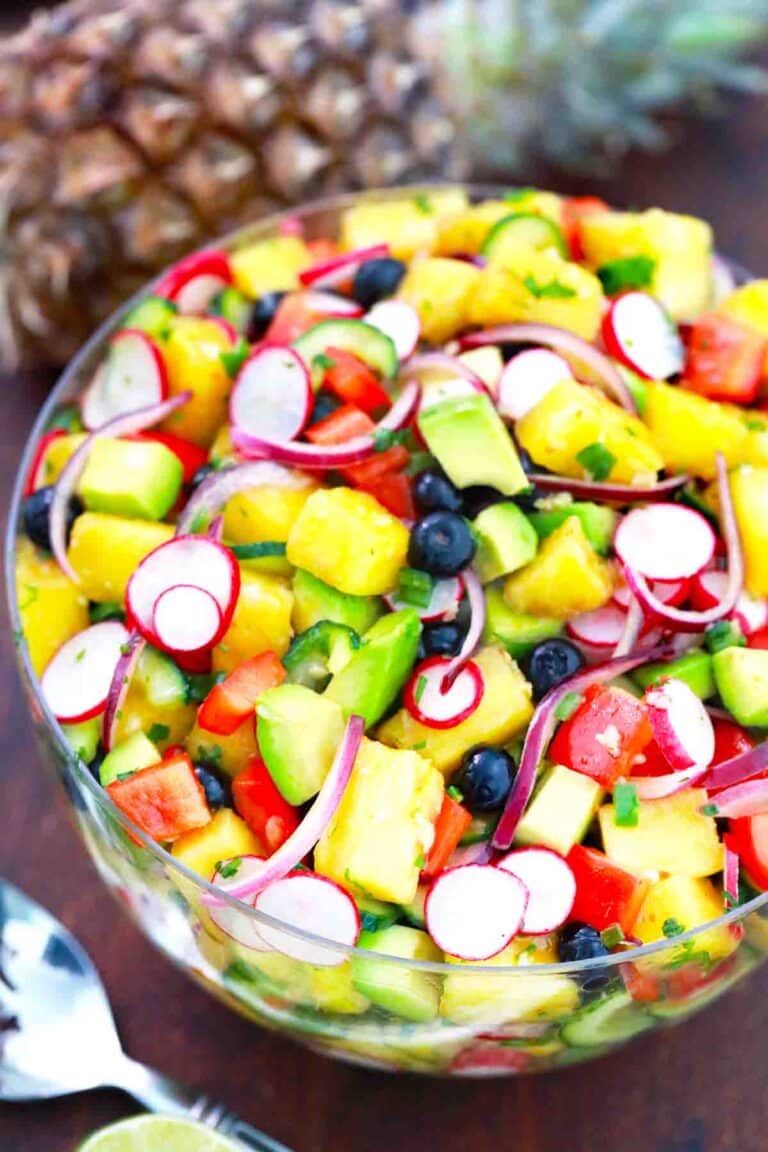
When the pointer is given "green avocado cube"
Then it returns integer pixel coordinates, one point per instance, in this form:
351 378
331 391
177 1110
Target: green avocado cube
138 479
506 541
598 522
694 668
398 988
298 734
472 445
741 675
518 632
372 678
127 757
563 807
314 600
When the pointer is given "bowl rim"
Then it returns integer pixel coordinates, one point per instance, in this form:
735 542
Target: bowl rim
261 227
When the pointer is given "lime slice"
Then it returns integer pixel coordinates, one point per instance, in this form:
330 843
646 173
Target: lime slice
157 1134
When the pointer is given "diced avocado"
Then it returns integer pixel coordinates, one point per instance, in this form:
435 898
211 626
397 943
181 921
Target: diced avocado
372 678
298 734
741 675
398 988
83 738
516 631
506 541
562 809
153 314
598 521
671 835
136 478
129 756
232 305
376 842
694 668
314 601
608 1021
468 438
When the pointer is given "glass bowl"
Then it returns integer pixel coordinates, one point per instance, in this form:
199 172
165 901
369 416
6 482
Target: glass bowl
443 1019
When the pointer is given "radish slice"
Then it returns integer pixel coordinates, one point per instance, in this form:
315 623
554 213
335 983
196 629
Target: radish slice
638 332
708 590
130 654
301 842
681 725
474 911
340 269
443 603
665 542
218 488
193 560
400 322
551 887
527 379
78 676
133 377
602 628
431 703
194 281
730 876
238 924
272 396
659 787
314 904
747 799
668 591
331 305
186 619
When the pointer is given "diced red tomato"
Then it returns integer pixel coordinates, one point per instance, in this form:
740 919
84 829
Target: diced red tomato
451 824
758 639
748 836
724 359
394 491
603 736
33 480
269 816
353 381
346 423
191 456
232 702
165 800
575 208
605 893
730 740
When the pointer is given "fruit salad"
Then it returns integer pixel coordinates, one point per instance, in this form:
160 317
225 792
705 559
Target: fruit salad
409 585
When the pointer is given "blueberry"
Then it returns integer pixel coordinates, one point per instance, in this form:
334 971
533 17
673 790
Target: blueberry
35 516
485 778
202 474
579 941
216 793
550 663
376 280
441 544
441 640
433 492
325 404
262 314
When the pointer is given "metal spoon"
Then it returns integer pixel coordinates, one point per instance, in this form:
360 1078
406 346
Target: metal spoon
57 1033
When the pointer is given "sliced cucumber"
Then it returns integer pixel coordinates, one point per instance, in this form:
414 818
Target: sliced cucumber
522 231
369 344
151 315
232 306
608 1021
127 757
376 914
162 682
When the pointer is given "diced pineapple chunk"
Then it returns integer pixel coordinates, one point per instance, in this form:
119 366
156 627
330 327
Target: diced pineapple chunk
538 202
332 990
538 287
688 429
347 539
261 623
565 578
57 454
106 550
466 231
225 836
672 835
680 246
271 265
266 513
439 289
222 448
408 226
230 754
571 419
193 358
51 607
689 902
504 711
384 826
749 488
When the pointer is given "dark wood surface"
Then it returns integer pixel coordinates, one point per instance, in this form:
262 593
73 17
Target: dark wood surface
700 1088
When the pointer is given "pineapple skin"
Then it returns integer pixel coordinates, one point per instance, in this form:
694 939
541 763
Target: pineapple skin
131 131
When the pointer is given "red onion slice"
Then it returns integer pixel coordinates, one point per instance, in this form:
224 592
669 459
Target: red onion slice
476 600
730 876
633 624
613 493
301 842
542 727
119 688
126 425
749 798
563 341
218 488
444 362
738 768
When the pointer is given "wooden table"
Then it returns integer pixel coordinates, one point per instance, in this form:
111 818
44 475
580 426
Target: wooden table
701 1088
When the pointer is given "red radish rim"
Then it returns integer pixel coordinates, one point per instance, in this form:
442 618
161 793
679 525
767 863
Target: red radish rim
83 668
120 687
681 725
511 904
298 947
34 476
211 262
601 628
665 542
467 689
636 358
205 602
99 404
400 322
730 876
533 372
444 601
339 269
265 390
540 916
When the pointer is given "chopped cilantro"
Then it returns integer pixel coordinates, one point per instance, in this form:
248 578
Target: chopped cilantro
419 747
322 363
234 358
455 793
209 754
724 634
596 461
626 806
31 594
384 438
420 861
415 587
755 425
81 654
229 868
612 936
567 706
158 732
709 809
672 927
552 290
421 685
687 956
125 650
628 272
423 204
125 775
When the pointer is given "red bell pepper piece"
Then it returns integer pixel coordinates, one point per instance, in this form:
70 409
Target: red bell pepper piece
191 456
346 423
758 639
165 800
269 816
730 740
33 480
603 736
232 702
605 893
451 824
748 837
724 359
353 381
394 491
575 208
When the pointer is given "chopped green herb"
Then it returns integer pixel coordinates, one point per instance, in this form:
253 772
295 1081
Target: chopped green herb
568 705
626 806
709 809
755 425
724 634
419 747
515 195
125 649
209 754
322 363
420 861
689 956
628 272
31 594
552 290
198 524
234 358
81 654
229 868
455 793
415 587
419 462
421 685
423 204
612 936
158 732
258 550
100 612
596 461
672 927
124 775
384 438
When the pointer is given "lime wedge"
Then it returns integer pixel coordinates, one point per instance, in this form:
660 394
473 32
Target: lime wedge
157 1134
